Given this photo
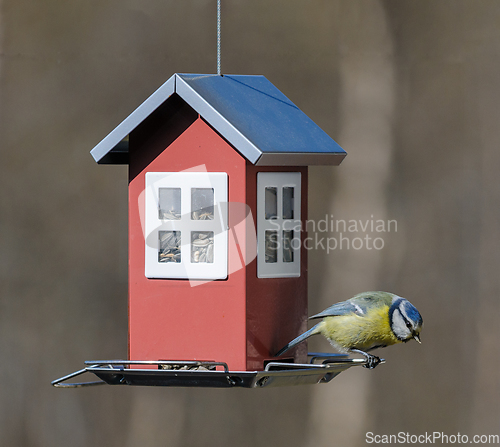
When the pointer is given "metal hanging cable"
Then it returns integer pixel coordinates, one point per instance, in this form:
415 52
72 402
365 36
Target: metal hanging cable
218 38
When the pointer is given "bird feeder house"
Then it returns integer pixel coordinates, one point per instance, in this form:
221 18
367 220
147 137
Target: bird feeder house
218 184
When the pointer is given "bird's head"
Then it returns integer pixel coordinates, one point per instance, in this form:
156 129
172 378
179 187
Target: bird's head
406 322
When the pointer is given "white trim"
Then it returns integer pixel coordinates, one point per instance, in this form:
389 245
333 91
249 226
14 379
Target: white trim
279 180
185 269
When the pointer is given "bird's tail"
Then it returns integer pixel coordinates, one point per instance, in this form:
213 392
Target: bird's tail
300 338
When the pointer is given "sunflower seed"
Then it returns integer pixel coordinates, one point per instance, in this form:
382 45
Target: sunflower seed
201 242
169 246
202 246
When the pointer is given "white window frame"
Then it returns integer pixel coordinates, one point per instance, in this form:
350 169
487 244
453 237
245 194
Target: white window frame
186 269
278 180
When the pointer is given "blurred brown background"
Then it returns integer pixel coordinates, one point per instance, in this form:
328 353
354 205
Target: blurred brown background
410 89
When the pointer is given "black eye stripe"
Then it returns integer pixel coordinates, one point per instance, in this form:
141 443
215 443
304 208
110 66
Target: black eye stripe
406 321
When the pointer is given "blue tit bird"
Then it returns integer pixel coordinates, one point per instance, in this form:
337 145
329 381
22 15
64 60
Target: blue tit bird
365 322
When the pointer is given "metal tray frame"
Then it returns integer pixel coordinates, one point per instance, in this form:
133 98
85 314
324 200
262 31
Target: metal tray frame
323 367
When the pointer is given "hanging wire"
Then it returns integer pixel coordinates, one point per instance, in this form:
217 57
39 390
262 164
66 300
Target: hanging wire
218 38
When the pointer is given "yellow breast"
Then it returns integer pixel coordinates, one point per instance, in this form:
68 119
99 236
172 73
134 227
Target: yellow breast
359 332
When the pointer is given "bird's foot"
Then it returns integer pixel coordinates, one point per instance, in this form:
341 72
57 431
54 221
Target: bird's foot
371 360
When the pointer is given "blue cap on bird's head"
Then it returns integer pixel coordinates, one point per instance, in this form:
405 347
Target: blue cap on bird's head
406 321
412 313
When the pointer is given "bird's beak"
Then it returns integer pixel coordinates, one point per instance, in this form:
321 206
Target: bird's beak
417 338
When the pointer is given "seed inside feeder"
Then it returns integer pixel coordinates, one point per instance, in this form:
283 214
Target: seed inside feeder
202 246
287 246
169 203
169 246
202 203
271 246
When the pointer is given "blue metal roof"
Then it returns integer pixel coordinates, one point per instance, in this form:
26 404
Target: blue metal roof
248 111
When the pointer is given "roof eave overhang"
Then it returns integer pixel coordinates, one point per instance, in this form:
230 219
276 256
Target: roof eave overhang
301 159
111 150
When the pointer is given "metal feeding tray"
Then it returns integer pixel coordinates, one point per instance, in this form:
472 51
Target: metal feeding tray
322 368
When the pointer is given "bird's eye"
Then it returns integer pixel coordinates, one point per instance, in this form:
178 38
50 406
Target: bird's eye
408 325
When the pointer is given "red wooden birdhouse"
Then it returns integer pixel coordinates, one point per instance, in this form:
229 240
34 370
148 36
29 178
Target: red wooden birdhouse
217 200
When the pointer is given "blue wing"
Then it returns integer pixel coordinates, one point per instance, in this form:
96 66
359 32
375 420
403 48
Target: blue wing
359 305
342 308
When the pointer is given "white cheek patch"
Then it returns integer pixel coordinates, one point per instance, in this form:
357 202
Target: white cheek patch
399 325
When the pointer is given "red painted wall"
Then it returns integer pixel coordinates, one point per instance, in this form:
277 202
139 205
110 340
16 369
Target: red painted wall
276 307
169 319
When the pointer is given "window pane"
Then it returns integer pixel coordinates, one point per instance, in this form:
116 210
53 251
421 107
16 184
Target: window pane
287 246
202 246
288 202
202 203
271 203
169 246
271 246
169 203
